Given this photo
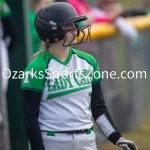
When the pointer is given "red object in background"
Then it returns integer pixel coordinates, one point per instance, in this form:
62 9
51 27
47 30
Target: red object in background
83 8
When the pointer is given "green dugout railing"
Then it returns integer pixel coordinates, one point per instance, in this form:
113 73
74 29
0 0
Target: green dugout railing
103 30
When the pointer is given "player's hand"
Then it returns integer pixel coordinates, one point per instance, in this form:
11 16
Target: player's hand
126 144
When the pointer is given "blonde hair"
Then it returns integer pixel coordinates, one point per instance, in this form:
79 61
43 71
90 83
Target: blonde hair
43 47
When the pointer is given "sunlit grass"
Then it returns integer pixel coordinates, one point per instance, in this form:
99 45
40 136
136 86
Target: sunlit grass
130 3
140 136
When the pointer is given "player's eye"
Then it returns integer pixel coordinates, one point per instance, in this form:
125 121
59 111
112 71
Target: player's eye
68 27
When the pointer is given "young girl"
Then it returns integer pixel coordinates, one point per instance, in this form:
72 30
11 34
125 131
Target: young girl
61 90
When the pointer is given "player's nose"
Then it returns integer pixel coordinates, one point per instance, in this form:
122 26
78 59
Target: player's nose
74 32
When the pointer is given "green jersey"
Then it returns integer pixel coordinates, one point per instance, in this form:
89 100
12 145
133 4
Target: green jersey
4 12
34 36
65 87
4 9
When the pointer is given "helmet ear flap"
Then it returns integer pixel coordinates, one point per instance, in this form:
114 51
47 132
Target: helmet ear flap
57 33
50 30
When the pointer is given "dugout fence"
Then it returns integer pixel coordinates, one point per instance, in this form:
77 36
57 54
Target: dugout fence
126 86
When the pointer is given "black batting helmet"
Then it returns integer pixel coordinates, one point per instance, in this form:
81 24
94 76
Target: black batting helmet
50 18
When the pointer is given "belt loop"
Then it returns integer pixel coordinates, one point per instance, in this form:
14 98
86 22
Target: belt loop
50 133
88 131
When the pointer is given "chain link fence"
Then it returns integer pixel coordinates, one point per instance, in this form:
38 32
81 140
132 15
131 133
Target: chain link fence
126 84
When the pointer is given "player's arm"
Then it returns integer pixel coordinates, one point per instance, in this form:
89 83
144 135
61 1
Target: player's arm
104 121
133 12
31 102
10 32
101 115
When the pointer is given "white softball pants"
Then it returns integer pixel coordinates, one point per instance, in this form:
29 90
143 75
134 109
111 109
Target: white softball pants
63 141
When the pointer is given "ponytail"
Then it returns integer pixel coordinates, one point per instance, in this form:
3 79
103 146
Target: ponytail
43 47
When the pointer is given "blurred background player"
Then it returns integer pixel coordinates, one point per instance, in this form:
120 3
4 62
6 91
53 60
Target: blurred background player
144 9
35 5
8 37
82 7
113 9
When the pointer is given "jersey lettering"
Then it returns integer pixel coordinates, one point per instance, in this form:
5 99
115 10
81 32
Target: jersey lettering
63 83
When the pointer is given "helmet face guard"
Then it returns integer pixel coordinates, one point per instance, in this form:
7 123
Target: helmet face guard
83 35
51 18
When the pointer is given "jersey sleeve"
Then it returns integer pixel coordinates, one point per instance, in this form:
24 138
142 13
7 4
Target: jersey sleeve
97 75
34 78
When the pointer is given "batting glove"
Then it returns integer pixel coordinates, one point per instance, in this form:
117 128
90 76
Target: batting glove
126 144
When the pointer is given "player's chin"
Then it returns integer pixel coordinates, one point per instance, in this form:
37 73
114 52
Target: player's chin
74 41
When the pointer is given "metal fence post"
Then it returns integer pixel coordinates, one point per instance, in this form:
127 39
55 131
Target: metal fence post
4 129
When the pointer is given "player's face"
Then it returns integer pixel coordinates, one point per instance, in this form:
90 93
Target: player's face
71 33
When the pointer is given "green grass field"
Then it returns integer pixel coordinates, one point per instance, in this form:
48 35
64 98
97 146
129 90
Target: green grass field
130 3
141 136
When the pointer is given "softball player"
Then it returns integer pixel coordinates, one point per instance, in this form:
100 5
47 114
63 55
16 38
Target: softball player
61 90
